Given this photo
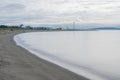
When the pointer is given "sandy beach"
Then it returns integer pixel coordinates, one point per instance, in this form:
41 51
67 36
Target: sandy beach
18 64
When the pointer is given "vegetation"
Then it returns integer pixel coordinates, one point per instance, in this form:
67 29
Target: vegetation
6 27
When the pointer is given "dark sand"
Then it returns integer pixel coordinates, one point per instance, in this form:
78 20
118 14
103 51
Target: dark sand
18 64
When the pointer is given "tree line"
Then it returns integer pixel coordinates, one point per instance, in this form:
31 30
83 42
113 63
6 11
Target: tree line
27 27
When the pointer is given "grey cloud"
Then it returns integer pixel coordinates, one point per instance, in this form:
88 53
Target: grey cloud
10 13
23 11
113 7
21 18
84 15
14 7
61 2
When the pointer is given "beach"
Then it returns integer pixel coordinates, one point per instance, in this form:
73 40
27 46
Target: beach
17 63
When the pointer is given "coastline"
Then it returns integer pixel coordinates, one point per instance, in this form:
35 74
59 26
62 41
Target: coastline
17 63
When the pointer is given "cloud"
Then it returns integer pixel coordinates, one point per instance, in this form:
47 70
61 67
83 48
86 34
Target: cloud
12 8
59 11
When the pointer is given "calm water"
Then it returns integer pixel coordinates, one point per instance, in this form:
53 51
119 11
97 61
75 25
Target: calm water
93 54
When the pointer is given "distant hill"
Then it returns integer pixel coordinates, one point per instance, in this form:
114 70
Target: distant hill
106 28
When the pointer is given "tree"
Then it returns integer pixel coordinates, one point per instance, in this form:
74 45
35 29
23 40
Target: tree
21 25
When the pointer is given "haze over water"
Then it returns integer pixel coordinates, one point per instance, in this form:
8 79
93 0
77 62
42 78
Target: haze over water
93 54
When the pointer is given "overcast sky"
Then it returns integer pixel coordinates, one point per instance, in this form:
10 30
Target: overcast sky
59 11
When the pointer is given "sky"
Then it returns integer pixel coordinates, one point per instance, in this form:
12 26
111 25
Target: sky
29 12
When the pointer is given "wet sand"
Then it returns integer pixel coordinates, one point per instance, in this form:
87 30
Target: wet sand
18 64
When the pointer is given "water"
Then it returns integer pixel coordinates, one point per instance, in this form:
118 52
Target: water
93 54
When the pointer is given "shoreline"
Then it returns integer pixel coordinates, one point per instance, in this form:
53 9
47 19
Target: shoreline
16 63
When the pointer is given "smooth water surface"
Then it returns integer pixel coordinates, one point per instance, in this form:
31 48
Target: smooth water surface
93 54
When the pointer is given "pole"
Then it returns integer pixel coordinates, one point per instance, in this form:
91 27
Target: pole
73 25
